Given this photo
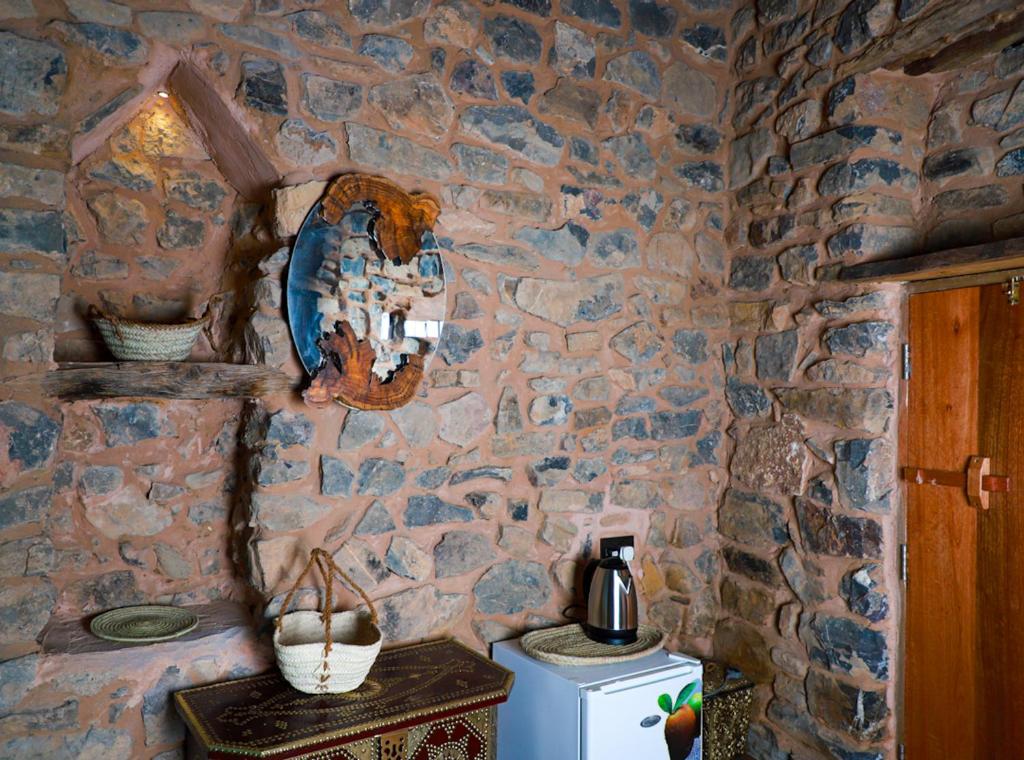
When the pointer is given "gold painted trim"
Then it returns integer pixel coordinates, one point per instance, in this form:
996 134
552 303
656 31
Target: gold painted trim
210 745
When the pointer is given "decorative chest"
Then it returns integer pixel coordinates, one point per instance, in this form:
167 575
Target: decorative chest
423 702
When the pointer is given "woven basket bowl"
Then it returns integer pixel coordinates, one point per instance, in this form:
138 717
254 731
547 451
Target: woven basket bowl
299 647
149 341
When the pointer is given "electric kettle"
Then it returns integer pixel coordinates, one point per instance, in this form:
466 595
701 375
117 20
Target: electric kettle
611 599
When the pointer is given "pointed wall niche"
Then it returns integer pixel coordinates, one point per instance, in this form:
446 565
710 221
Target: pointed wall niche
159 174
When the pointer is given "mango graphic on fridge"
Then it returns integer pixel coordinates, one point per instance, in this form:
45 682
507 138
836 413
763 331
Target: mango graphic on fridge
683 724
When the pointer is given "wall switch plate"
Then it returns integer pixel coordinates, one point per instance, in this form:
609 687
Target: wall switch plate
623 546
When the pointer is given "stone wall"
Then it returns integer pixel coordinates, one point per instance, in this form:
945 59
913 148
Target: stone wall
578 152
971 186
829 169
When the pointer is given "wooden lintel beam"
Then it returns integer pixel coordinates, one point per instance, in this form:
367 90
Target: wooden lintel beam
974 259
941 24
968 49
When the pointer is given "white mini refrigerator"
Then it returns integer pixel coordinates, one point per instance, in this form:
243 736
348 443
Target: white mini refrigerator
646 709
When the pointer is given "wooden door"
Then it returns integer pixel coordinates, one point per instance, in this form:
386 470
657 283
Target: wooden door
964 635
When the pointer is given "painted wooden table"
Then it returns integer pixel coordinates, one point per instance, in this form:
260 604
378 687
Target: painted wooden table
425 701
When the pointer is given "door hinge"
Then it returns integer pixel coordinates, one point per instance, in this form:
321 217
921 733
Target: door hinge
1012 290
901 752
905 349
903 563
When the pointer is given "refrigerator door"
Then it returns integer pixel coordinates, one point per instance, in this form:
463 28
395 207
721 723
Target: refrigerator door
628 718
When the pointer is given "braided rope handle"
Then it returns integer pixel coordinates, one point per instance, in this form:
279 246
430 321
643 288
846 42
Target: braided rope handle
328 569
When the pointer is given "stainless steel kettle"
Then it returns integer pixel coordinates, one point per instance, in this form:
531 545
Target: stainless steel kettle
611 600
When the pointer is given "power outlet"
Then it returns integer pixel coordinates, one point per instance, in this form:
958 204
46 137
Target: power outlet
623 546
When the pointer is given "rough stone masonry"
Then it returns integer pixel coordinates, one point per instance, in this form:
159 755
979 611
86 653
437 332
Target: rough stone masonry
644 204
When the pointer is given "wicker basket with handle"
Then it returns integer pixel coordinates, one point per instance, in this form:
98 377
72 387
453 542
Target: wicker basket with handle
132 340
326 652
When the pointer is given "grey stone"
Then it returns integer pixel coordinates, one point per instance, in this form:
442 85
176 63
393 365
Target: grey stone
703 175
633 155
859 588
33 78
359 560
861 714
480 164
550 410
490 472
29 294
116 47
845 646
28 231
380 477
460 551
459 343
419 613
866 173
511 587
100 480
752 519
418 102
751 566
282 512
255 36
381 150
424 510
386 12
567 244
390 53
565 303
406 559
1012 164
25 608
859 408
691 345
872 240
803 577
746 399
548 471
688 90
859 338
299 143
174 26
336 477
120 220
179 232
842 141
860 22
263 86
600 12
987 196
776 355
514 128
509 418
953 163
573 53
571 101
28 505
864 473
513 39
16 678
851 305
193 189
639 342
31 435
416 422
519 85
360 429
707 40
680 396
43 185
698 138
320 29
433 478
125 424
827 532
375 520
667 426
752 273
636 70
617 249
286 428
473 78
330 99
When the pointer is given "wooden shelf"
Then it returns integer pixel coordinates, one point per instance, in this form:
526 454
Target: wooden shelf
973 260
178 380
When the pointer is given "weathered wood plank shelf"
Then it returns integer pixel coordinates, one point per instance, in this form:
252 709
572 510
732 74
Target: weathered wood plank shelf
178 380
1001 256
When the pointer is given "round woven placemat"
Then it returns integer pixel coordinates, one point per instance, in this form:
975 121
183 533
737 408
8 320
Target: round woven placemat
569 645
143 623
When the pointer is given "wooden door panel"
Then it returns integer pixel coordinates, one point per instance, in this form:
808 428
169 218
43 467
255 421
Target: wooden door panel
941 433
1001 529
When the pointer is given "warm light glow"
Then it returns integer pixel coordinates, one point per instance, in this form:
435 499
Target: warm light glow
163 93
